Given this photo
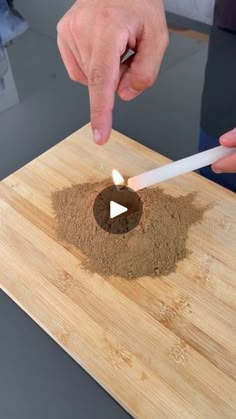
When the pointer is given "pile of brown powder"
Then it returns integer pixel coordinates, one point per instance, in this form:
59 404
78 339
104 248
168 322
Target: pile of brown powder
153 248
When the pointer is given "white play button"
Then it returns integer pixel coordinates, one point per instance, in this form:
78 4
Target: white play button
116 209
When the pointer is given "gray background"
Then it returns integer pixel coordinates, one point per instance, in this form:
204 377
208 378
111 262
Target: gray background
37 379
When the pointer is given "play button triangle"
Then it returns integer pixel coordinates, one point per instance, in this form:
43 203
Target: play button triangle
116 209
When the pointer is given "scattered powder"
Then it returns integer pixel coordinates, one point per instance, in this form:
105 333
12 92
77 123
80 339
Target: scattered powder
153 248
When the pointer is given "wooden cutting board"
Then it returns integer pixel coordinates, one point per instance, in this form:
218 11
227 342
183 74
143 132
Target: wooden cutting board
163 347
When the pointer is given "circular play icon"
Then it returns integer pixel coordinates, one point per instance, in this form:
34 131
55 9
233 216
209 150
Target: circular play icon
117 209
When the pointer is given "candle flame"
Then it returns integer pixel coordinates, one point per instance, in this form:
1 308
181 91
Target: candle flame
117 178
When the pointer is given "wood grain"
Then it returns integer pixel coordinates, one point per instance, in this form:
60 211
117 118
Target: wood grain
163 347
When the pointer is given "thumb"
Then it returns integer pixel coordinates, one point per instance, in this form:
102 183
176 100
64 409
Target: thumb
140 71
229 139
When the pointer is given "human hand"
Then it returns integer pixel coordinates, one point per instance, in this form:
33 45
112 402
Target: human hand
227 164
94 35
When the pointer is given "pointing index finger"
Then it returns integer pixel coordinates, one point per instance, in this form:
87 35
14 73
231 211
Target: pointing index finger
103 79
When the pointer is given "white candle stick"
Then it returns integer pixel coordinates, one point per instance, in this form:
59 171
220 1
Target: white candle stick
179 167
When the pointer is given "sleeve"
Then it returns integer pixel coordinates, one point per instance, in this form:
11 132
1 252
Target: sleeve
225 14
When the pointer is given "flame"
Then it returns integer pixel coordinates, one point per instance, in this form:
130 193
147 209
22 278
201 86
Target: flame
117 178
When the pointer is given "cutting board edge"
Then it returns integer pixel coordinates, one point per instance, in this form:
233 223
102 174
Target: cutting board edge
46 330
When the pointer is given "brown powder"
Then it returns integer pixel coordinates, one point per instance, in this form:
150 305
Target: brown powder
153 248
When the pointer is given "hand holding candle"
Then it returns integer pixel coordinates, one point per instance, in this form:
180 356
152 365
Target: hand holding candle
181 167
227 164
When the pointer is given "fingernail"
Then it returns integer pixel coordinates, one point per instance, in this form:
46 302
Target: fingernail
97 136
217 171
128 93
